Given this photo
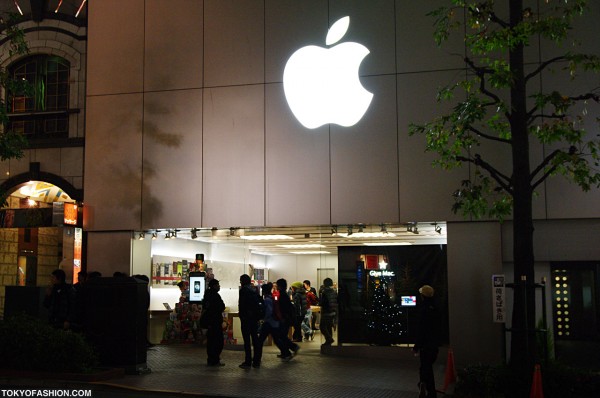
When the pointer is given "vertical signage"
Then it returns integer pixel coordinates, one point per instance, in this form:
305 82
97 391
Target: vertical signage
77 241
70 217
499 310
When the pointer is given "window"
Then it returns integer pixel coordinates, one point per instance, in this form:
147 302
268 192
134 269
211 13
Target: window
45 112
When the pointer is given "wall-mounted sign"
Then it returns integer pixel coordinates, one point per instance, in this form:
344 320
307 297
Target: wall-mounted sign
322 85
379 274
499 310
70 215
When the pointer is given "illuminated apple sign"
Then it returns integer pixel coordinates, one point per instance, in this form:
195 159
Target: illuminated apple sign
322 86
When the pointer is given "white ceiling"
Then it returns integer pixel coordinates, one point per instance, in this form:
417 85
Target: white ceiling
324 238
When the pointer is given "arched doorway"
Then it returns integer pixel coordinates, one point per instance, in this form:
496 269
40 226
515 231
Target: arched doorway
39 231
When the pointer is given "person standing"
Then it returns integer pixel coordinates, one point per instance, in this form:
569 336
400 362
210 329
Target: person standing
300 309
329 306
250 313
60 301
284 311
428 342
311 300
214 307
270 325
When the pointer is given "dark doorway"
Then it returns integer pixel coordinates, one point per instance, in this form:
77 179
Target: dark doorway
575 290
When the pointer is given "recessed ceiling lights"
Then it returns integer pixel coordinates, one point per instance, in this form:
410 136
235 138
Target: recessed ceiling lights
266 237
301 246
311 252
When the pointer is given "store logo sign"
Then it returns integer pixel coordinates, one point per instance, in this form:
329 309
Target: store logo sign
379 274
322 85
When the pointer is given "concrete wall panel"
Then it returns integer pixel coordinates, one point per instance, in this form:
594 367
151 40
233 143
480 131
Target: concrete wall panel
115 46
172 167
425 191
297 167
113 162
474 255
173 41
234 42
233 157
364 179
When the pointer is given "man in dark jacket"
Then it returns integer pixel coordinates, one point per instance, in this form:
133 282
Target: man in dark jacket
60 301
329 307
214 307
249 309
427 345
300 308
285 310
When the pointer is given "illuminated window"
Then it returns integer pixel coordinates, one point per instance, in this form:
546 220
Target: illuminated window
44 112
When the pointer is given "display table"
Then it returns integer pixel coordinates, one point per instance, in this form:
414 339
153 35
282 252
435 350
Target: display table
156 324
234 331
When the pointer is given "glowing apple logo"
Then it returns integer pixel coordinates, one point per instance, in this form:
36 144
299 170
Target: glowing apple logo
322 86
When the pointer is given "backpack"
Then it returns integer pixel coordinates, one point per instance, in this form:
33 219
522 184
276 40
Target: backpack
283 309
329 302
277 315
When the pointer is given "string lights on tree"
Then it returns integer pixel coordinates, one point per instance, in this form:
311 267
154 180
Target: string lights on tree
384 318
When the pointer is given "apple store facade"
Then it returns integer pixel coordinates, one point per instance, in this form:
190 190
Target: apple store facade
200 114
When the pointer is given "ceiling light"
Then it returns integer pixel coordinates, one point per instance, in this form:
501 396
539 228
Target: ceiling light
80 7
154 235
262 253
383 229
387 243
302 246
30 202
194 233
333 230
214 232
168 235
142 236
266 237
360 228
437 229
349 230
18 8
58 6
311 252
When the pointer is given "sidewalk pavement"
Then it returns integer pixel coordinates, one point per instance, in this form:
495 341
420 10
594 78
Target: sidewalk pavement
180 370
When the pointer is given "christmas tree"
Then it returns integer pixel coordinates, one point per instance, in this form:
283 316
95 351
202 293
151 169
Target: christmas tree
384 318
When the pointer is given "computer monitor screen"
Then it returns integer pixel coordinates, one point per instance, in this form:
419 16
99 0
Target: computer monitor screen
408 301
197 286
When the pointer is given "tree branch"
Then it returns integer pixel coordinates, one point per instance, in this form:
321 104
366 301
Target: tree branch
542 165
542 178
543 66
481 72
584 97
488 137
500 178
543 115
499 21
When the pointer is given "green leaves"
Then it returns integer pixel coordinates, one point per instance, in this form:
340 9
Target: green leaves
482 198
481 113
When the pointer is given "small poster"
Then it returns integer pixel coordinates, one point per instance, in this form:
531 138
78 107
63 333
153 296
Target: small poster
372 261
498 293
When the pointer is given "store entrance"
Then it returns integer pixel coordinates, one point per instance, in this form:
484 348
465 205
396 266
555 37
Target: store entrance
39 232
576 312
